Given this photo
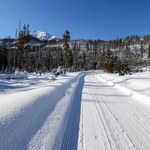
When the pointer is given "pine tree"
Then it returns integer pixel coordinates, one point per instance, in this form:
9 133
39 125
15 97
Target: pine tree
149 51
116 68
3 58
68 55
22 48
103 60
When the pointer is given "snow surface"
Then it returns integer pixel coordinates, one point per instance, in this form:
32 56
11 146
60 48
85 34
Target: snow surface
112 119
139 82
85 110
32 117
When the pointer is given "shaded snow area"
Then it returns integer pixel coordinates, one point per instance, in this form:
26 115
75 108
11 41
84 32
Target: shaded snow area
35 117
85 111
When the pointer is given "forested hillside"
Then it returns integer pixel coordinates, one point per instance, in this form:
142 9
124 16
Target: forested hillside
30 53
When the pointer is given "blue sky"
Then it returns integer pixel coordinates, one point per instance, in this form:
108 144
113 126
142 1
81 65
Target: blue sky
85 19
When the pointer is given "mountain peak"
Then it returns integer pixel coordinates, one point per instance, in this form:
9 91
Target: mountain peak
44 36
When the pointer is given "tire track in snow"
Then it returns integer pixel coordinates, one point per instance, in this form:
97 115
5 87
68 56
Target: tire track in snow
102 110
110 129
127 111
119 115
135 136
137 123
93 130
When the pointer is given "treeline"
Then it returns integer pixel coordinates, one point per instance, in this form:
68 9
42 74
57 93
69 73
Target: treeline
120 54
111 56
129 40
115 55
23 56
112 64
16 57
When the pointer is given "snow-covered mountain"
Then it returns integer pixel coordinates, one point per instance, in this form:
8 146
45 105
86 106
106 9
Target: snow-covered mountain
44 36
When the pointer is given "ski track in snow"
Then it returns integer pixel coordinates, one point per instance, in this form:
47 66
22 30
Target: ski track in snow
70 139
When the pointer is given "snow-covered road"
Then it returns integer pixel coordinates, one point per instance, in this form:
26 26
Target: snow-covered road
110 119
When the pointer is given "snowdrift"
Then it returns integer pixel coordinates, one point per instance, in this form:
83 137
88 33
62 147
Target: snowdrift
15 75
35 119
113 81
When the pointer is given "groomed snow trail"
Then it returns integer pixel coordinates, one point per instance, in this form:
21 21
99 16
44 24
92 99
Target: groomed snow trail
111 120
76 111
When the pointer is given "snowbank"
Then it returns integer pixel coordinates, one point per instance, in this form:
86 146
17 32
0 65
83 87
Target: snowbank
136 95
15 75
5 76
139 82
34 119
